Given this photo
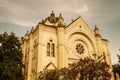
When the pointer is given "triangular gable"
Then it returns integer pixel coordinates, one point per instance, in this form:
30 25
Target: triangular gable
74 21
79 23
50 66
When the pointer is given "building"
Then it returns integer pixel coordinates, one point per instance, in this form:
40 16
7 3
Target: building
52 44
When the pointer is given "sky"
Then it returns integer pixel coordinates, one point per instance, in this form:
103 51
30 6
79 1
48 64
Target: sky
18 16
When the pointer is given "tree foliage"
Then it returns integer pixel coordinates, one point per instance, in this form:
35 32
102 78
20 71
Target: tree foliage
116 67
118 58
10 57
85 69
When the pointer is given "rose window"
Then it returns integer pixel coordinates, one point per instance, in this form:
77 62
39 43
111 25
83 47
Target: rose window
80 48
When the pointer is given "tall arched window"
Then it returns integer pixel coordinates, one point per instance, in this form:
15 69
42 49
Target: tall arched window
50 48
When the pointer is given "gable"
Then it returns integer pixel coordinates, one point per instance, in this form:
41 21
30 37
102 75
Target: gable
50 66
79 24
78 32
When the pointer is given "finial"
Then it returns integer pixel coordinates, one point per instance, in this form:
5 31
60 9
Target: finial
72 20
96 30
52 12
32 29
52 17
95 26
42 21
60 20
60 16
27 33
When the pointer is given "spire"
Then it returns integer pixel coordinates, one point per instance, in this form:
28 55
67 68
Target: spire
52 14
60 16
27 33
52 17
60 21
32 29
96 28
97 32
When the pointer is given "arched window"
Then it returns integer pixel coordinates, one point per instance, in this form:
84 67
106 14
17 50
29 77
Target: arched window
50 49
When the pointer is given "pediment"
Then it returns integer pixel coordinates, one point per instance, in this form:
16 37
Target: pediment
79 24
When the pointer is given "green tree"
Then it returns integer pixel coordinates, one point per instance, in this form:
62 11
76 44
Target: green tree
10 57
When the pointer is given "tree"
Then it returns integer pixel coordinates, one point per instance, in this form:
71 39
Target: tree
10 57
118 58
90 69
85 69
116 67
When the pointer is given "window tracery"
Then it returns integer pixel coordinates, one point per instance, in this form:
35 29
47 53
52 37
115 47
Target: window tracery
80 48
51 48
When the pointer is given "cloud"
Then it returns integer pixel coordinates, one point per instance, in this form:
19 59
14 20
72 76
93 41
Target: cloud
30 12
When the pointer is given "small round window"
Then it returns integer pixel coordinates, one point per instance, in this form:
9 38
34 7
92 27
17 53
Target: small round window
79 48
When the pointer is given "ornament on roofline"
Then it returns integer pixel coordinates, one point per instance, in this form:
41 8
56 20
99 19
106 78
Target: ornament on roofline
32 29
61 21
27 33
97 31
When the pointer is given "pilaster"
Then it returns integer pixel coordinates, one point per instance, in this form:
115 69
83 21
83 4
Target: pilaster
40 51
30 57
108 59
98 40
61 48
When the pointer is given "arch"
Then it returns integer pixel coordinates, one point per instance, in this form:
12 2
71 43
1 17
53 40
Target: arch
81 33
51 63
50 48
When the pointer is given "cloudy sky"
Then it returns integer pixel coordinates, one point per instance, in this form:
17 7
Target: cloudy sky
20 15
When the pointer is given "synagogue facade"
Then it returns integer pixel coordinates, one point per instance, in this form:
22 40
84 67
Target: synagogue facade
52 44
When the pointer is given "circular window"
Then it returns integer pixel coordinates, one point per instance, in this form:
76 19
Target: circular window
79 48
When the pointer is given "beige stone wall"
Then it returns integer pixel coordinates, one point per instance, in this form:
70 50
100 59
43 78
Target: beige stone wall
34 46
79 32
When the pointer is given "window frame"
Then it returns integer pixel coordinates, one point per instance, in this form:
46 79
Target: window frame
50 48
